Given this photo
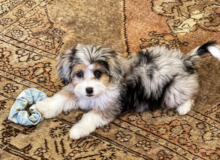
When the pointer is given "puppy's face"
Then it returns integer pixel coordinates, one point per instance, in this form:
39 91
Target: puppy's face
90 81
91 69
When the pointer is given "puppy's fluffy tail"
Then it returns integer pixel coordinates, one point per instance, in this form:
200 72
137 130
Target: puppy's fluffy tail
212 47
190 60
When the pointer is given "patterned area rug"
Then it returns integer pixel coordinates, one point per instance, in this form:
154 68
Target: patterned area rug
34 32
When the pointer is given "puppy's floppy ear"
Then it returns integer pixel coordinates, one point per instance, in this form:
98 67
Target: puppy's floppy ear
65 63
115 67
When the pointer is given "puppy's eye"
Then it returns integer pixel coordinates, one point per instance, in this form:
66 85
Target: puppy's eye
80 74
98 73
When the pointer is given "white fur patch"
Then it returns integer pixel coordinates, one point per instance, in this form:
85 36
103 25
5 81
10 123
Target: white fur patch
89 122
215 52
185 107
52 106
101 102
98 89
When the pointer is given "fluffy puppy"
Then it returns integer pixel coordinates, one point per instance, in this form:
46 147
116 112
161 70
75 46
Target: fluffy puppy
105 84
92 75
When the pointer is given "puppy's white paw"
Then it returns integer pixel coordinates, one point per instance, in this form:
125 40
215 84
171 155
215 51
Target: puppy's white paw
46 108
182 111
49 114
78 131
185 107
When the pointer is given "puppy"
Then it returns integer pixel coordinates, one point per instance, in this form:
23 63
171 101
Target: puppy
105 83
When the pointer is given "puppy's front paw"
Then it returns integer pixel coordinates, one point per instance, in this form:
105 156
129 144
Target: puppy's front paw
78 131
46 109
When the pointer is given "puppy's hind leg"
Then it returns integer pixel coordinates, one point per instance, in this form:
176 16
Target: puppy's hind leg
185 107
181 93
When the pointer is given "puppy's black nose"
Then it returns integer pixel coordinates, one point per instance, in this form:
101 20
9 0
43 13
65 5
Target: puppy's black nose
89 90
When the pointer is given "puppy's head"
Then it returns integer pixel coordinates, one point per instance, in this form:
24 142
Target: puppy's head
91 69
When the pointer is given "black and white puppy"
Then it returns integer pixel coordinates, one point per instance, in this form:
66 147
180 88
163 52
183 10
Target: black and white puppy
105 83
